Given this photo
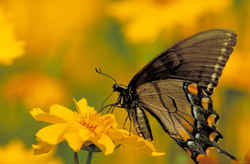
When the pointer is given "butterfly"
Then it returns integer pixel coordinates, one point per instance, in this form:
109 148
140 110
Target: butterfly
176 88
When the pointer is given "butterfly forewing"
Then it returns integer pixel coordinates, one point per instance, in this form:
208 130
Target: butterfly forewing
200 58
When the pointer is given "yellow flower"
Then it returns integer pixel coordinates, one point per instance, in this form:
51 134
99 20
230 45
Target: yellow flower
145 20
242 134
10 48
83 126
35 89
123 137
15 152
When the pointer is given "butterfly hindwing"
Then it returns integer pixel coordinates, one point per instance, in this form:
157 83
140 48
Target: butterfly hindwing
184 112
169 105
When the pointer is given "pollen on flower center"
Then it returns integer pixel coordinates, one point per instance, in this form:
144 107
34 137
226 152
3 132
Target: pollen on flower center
89 121
88 125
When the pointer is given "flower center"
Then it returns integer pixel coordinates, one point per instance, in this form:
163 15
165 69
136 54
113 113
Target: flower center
89 121
88 125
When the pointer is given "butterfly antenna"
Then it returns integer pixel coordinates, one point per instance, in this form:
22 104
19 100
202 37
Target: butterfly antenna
98 70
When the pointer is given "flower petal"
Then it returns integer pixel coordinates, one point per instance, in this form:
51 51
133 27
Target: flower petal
106 122
62 112
120 136
74 140
142 144
42 148
82 106
85 134
52 134
104 143
40 115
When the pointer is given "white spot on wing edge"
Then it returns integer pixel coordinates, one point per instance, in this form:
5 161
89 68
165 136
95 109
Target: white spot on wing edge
213 76
229 34
210 86
223 50
217 67
220 58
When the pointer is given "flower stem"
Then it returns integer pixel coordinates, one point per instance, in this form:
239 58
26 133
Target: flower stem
76 159
90 155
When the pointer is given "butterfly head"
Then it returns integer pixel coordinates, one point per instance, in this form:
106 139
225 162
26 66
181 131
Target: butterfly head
118 88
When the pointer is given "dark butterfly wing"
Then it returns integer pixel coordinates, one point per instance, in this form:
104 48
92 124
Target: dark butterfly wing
200 58
184 112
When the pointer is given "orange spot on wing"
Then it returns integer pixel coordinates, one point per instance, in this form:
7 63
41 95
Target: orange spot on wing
209 149
212 136
211 119
187 125
200 156
192 88
189 116
204 102
184 134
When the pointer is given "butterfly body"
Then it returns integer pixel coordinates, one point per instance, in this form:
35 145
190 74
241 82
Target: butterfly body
128 99
176 88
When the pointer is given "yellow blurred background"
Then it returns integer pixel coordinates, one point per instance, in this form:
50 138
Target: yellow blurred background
49 50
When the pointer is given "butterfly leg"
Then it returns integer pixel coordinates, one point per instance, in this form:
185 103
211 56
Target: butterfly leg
116 104
125 122
130 116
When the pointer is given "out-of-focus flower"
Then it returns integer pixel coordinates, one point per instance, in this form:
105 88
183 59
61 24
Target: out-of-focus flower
15 152
243 132
77 69
83 126
246 159
236 73
45 25
10 48
35 89
145 20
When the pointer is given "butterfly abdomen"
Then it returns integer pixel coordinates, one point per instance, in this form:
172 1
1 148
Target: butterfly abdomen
142 124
